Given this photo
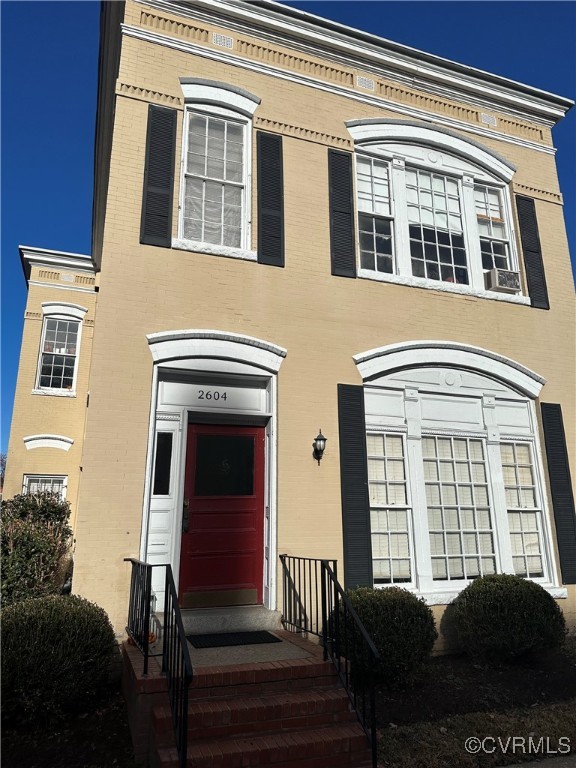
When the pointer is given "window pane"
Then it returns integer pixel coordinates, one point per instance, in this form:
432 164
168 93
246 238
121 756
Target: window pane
61 338
162 464
457 526
224 466
44 484
391 549
213 211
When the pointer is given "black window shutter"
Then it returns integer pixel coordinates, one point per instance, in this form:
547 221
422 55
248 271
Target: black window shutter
270 199
354 487
156 223
560 489
532 252
341 196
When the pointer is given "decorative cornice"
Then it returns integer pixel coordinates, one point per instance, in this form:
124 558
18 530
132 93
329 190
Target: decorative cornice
347 76
145 94
42 257
320 85
543 194
173 27
345 45
301 132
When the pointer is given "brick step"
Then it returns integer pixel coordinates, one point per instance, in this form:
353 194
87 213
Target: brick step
259 679
329 747
278 712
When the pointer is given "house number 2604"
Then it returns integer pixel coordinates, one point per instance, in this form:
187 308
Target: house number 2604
207 394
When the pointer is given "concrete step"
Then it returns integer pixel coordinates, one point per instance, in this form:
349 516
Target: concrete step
237 618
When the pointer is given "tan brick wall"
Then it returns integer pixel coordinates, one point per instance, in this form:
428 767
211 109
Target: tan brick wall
321 320
34 413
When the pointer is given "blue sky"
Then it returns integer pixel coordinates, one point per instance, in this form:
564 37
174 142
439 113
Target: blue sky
49 58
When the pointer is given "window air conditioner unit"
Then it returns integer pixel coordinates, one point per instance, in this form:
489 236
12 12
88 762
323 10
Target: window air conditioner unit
503 280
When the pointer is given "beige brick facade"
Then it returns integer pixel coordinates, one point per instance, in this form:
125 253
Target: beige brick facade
321 320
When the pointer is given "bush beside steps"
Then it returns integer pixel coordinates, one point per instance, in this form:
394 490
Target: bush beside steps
57 653
402 628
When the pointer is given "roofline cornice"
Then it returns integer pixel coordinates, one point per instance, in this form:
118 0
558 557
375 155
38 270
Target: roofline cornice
360 49
42 257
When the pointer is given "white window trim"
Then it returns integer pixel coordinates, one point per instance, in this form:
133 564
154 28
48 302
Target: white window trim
59 311
212 98
27 478
371 138
412 523
48 441
379 362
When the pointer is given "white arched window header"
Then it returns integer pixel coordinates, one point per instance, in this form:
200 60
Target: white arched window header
48 441
214 93
407 132
63 308
169 346
383 360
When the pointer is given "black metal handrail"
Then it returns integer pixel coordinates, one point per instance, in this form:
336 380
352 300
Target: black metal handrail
176 663
315 602
177 666
138 626
303 588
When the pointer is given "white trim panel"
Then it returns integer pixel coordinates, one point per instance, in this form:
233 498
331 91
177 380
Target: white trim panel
48 441
383 131
173 345
384 360
50 308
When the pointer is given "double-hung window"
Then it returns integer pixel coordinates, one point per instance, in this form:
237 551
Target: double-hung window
215 195
374 215
214 184
58 359
492 227
59 348
390 513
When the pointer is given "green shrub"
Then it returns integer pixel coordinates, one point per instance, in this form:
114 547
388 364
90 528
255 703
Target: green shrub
504 617
401 627
56 657
35 546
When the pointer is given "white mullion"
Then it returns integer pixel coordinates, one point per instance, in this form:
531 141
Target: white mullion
422 577
471 234
203 221
398 200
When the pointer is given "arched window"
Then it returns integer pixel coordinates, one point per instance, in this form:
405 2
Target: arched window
454 474
433 209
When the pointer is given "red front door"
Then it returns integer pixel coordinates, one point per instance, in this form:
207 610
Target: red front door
222 555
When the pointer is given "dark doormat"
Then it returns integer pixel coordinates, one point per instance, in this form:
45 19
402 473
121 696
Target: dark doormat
220 640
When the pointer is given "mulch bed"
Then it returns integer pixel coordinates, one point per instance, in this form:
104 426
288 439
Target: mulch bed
100 739
455 685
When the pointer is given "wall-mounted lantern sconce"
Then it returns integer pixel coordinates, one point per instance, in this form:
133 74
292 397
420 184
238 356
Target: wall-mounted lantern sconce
319 445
